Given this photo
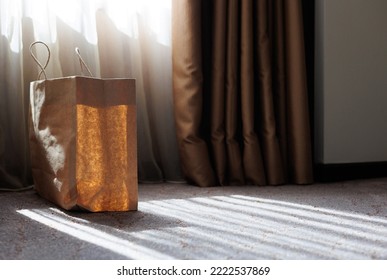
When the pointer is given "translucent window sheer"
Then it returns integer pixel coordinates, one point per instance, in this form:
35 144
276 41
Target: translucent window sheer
117 38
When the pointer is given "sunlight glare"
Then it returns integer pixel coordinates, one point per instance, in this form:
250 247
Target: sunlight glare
10 25
149 16
92 235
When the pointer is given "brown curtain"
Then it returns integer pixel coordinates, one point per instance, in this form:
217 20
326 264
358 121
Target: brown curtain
240 92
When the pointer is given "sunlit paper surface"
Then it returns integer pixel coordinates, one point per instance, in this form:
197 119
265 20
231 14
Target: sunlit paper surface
83 142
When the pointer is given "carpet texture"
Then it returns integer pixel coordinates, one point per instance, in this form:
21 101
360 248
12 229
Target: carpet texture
346 220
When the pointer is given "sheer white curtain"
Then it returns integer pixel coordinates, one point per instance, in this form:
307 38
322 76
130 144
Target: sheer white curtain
117 38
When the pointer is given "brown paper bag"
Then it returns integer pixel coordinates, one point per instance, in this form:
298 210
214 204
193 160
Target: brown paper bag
83 142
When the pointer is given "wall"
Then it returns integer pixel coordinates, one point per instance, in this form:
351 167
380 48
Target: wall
350 81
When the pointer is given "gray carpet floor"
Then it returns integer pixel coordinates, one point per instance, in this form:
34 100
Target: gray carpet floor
346 220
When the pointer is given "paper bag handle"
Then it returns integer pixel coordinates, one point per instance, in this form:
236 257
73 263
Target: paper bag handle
42 68
82 62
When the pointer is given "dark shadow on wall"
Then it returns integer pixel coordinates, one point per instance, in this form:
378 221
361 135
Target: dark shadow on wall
308 7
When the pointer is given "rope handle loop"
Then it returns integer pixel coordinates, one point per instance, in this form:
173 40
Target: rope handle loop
42 68
82 63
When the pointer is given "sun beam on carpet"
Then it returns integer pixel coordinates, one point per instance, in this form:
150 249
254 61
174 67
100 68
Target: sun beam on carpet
213 226
91 235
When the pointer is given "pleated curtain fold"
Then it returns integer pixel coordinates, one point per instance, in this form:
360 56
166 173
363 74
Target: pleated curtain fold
240 92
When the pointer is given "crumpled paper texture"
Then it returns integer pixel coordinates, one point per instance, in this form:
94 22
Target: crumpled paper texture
83 143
